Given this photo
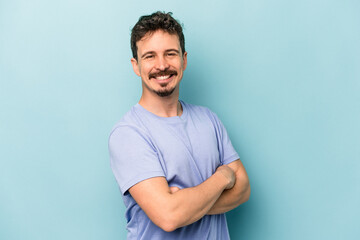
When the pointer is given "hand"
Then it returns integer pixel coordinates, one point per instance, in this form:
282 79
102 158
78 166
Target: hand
174 189
229 174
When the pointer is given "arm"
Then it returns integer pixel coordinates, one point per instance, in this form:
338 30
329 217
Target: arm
231 198
235 196
170 210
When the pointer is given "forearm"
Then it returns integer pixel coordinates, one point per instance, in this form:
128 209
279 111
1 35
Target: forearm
191 204
231 198
235 196
173 209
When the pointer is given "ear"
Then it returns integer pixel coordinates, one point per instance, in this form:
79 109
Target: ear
135 65
184 60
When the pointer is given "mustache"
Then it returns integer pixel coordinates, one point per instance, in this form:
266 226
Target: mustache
162 73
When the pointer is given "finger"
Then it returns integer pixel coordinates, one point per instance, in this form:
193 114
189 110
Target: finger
174 189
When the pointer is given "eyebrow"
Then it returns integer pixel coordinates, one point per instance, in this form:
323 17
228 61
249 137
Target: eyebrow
167 50
146 53
172 50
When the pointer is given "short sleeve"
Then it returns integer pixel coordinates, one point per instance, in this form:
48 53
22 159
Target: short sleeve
226 149
133 157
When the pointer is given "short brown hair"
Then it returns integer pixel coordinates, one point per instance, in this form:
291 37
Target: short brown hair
151 23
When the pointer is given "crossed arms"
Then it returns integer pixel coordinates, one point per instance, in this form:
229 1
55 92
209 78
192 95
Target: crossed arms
171 208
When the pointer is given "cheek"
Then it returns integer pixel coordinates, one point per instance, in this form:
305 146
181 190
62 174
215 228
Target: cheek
144 70
178 66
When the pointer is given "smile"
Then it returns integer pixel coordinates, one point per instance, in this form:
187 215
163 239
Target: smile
163 77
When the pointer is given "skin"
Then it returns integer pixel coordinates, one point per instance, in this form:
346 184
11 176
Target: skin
159 54
154 58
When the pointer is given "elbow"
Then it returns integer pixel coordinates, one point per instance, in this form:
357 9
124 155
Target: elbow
168 224
168 227
245 196
170 215
169 219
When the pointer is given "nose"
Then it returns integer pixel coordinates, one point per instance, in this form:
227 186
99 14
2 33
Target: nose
161 63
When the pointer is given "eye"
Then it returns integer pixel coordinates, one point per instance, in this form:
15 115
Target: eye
148 56
171 54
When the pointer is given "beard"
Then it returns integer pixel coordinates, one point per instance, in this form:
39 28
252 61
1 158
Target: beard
165 92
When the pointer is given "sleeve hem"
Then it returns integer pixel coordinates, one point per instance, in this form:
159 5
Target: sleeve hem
232 158
139 178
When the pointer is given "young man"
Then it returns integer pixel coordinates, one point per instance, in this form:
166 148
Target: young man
174 162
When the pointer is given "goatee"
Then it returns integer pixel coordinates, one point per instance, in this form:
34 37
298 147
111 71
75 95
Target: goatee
164 93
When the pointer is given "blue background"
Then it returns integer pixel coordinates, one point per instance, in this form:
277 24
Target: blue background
284 77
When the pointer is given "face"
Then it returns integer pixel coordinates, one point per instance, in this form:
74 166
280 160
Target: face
160 63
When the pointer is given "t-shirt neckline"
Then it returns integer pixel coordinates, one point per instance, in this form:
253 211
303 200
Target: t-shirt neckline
174 119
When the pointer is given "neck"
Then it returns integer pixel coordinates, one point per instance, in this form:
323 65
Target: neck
162 106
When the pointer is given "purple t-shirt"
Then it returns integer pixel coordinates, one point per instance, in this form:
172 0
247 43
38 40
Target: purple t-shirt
185 149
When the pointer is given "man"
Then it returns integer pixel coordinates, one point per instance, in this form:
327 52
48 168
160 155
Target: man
174 162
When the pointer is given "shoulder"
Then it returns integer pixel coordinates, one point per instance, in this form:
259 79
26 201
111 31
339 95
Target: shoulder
129 124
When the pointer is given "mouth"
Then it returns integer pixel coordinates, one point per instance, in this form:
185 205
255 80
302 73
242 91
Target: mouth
163 77
160 78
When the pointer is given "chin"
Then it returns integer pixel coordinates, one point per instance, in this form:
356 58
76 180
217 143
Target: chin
165 92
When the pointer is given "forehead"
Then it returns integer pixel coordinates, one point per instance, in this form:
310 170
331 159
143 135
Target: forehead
158 41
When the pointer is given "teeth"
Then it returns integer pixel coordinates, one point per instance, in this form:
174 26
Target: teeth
162 77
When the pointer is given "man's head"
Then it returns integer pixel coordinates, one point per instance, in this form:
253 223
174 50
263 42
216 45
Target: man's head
159 58
150 24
